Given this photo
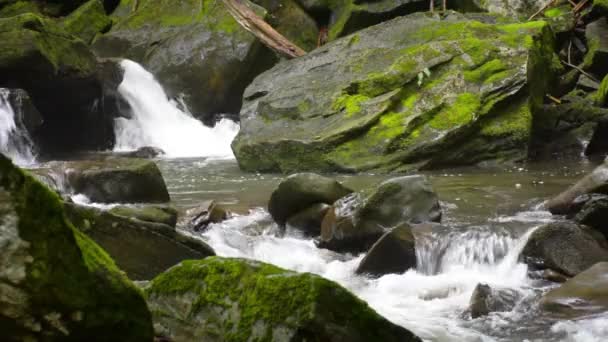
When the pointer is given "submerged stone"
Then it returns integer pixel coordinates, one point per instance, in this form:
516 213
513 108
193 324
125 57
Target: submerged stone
223 299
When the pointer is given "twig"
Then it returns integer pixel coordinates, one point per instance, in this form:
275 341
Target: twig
542 9
570 52
554 99
580 6
581 71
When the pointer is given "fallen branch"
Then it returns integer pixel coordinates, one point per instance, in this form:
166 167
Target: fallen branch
253 23
542 9
581 71
580 6
554 99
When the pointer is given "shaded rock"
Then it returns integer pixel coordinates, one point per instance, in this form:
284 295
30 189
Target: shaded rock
486 300
595 182
583 295
238 299
23 106
201 217
121 180
355 104
564 247
141 245
146 152
55 281
602 94
290 19
87 21
594 214
394 252
554 276
149 213
597 43
309 220
598 144
355 222
300 191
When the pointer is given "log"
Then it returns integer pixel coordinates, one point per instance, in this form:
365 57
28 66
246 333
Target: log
253 23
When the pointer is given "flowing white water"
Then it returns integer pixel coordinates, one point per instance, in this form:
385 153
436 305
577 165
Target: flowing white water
157 121
15 141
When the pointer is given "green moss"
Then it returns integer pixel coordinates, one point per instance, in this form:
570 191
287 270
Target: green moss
515 123
464 110
486 72
554 12
350 103
87 21
601 98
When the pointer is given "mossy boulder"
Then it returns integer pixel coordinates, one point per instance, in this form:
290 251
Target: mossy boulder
140 241
87 21
149 213
602 93
55 283
580 296
394 252
407 93
195 48
356 222
118 180
565 247
222 299
597 43
300 191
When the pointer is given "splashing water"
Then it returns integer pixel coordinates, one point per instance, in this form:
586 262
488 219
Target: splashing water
15 141
159 122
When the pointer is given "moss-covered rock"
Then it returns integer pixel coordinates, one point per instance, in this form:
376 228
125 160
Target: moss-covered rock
87 21
597 44
140 242
219 299
406 93
148 213
601 98
55 283
122 180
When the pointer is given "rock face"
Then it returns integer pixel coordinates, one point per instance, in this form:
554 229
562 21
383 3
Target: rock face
416 91
300 191
486 300
594 214
219 299
585 294
597 41
87 21
355 222
122 180
193 47
55 283
141 243
595 182
565 247
517 8
394 252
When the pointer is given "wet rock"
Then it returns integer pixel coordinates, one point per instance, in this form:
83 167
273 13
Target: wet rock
598 144
55 281
554 276
486 300
355 222
23 106
147 152
201 217
309 220
594 214
565 247
372 114
299 191
597 42
148 213
583 295
240 299
87 21
595 182
394 252
290 19
121 180
141 243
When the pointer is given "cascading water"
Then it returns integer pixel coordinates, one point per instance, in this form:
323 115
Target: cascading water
15 141
157 121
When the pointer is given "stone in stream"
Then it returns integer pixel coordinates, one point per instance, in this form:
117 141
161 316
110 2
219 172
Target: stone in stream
140 241
594 213
583 295
418 91
357 221
394 252
199 218
486 300
149 213
225 299
299 191
310 219
565 247
55 283
146 152
117 180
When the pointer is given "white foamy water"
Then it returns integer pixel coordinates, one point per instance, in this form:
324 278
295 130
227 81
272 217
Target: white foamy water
157 121
15 141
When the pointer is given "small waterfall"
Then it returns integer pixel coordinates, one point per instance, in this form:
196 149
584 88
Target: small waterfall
15 141
158 121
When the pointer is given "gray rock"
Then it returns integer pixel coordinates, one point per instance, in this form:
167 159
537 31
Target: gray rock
394 252
486 300
199 218
309 220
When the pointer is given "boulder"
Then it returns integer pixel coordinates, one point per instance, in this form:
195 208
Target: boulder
142 246
87 21
53 8
597 43
299 191
147 152
196 50
394 252
199 218
224 299
594 214
415 92
595 182
486 300
600 6
581 296
511 8
309 220
55 283
148 213
564 247
118 180
355 222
